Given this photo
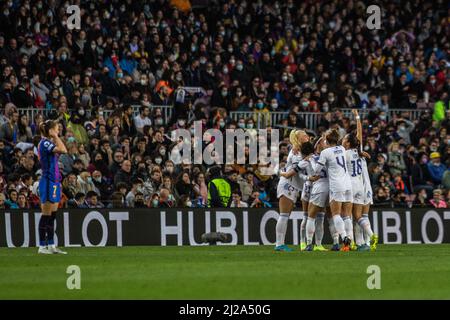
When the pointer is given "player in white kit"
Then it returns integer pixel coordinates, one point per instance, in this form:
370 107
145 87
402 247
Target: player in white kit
318 201
289 188
333 159
354 166
303 171
364 236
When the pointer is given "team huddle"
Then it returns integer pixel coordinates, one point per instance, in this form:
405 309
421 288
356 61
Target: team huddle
332 177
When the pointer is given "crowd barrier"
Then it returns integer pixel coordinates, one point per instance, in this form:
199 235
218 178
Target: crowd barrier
262 120
158 227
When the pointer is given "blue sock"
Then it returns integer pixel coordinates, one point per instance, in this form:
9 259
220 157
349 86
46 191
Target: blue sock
43 222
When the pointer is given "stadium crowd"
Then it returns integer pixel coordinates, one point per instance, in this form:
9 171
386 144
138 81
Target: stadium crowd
262 56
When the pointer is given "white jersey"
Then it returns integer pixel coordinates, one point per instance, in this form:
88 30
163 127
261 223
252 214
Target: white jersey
333 158
354 169
368 193
293 161
304 169
321 185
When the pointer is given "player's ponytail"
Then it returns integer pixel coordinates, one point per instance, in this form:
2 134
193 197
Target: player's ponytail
293 138
45 126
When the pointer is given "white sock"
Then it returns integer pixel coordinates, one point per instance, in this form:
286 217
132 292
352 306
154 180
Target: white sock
333 232
281 228
319 228
359 235
348 223
310 228
303 228
364 223
366 235
339 226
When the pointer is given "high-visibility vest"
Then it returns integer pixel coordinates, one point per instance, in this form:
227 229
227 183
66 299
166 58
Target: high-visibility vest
224 190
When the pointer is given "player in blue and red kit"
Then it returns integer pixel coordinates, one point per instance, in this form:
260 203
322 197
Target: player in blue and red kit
49 149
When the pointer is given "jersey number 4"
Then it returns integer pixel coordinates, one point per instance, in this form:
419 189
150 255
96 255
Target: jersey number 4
341 161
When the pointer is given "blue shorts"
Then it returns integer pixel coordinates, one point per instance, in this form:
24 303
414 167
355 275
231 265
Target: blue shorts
49 191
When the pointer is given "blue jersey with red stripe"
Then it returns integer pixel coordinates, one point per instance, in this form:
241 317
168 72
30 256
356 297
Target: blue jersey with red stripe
48 160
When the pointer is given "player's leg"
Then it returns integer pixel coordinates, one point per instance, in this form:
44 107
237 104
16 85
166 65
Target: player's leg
336 210
359 236
55 198
46 215
286 206
347 217
303 225
313 210
331 228
371 239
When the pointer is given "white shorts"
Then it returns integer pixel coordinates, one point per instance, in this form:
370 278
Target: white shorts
287 190
320 199
358 197
367 197
306 193
341 196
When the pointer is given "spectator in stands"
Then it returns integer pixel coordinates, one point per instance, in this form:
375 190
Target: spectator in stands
436 168
437 201
237 202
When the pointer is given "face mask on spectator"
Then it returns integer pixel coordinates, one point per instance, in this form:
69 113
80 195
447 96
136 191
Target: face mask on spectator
241 125
232 62
158 160
89 179
179 77
240 67
224 93
63 57
238 93
222 124
259 105
189 203
284 78
98 179
325 108
81 112
51 56
155 202
230 49
225 70
433 81
250 125
119 75
274 105
159 121
323 89
181 123
305 104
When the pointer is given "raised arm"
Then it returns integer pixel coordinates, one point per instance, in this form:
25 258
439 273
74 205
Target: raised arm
358 128
60 147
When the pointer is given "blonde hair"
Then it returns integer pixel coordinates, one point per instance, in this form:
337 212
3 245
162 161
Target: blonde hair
293 139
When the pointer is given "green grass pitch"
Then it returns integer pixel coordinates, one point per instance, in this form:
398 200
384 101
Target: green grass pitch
226 272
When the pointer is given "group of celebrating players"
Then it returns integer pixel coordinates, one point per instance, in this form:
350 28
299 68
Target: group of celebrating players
330 173
332 177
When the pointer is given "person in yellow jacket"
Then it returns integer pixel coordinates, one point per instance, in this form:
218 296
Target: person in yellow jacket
219 189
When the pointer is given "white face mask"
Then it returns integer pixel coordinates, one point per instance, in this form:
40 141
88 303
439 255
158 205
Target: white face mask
189 203
158 160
